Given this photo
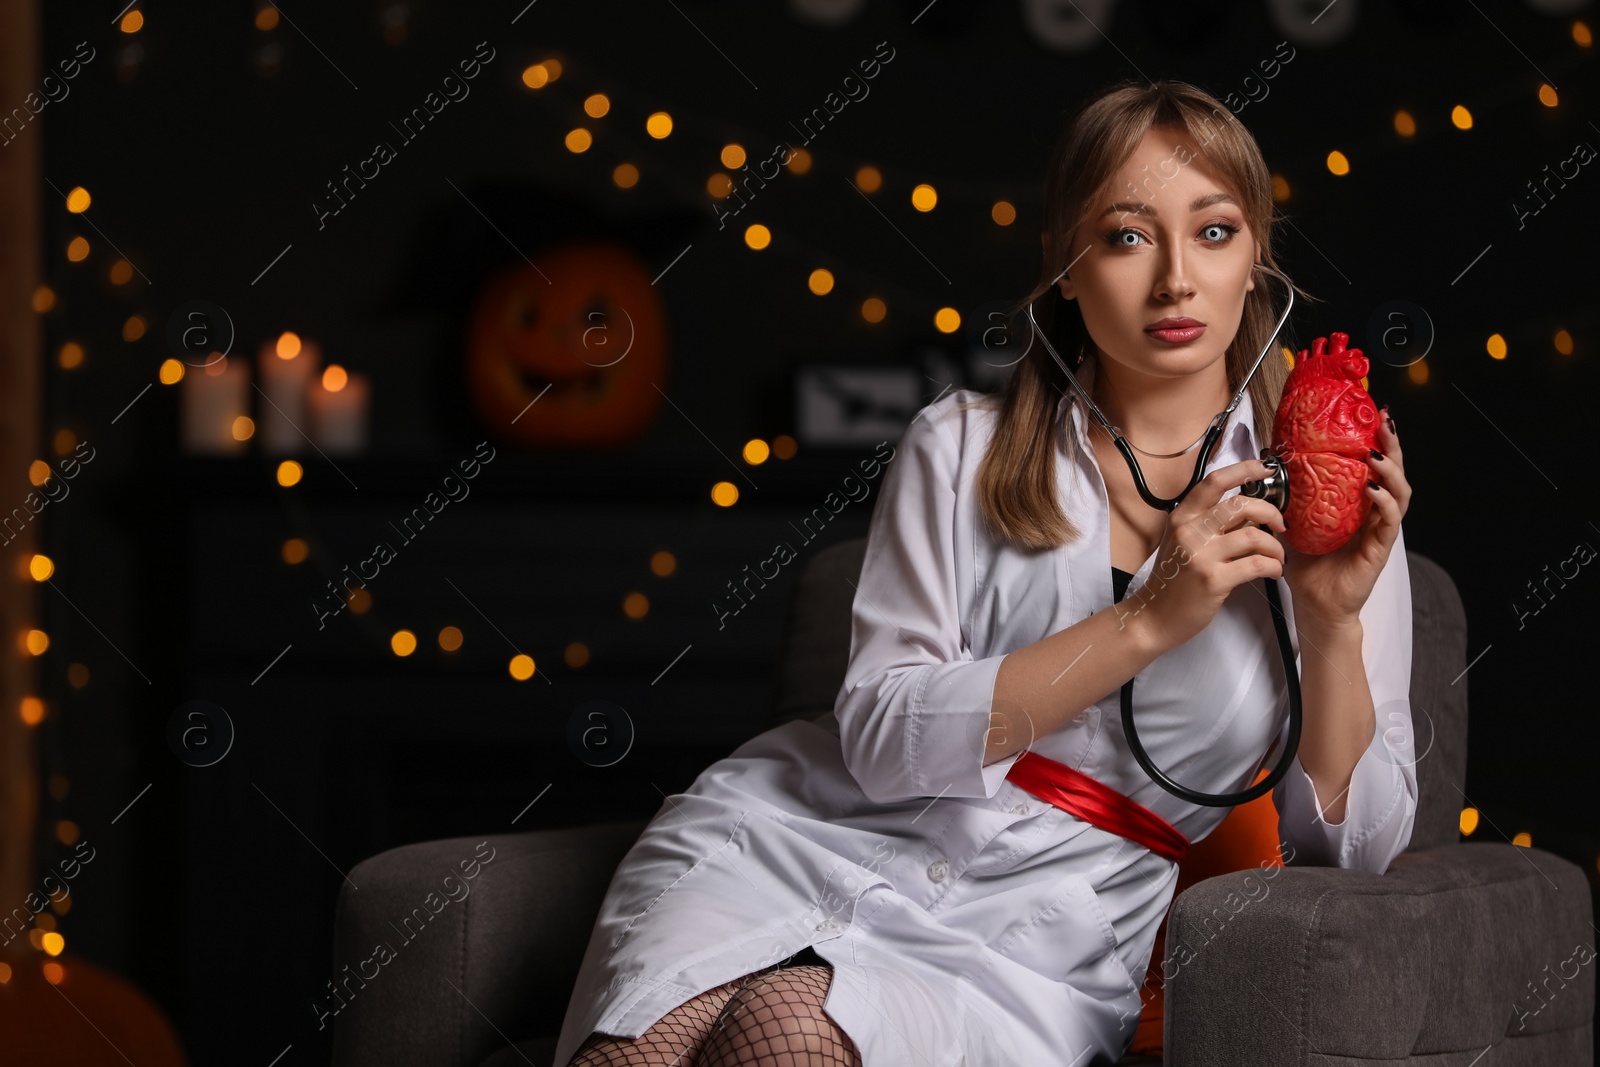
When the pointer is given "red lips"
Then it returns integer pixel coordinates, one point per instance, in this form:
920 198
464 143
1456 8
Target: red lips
1325 428
1174 324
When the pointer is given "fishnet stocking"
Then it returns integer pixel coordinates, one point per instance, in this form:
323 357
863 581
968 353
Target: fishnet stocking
764 1018
676 1038
777 1021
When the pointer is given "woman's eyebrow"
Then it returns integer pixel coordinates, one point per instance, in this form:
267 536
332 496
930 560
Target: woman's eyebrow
1141 208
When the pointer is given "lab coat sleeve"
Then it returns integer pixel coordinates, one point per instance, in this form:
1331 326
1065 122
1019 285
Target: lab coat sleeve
914 708
1381 803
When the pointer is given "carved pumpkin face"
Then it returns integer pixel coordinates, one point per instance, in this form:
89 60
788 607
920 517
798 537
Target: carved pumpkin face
569 354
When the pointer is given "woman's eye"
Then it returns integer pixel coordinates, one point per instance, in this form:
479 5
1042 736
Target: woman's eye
1129 238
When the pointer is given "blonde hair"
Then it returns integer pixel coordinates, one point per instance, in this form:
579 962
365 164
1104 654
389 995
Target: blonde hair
1016 483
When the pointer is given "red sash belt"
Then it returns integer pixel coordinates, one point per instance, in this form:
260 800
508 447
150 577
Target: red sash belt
1078 794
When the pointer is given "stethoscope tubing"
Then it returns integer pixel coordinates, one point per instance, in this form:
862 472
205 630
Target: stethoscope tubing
1279 622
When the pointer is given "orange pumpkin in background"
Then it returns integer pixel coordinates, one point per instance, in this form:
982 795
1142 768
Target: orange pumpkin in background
581 338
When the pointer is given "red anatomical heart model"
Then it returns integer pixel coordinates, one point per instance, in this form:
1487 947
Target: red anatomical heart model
1325 428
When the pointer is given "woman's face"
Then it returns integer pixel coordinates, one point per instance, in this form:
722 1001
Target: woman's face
1165 239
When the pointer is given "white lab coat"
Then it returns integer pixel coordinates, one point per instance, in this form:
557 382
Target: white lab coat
968 922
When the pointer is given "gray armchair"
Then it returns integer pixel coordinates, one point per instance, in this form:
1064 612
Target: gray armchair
1457 949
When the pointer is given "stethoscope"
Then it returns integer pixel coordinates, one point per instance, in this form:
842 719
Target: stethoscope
1274 488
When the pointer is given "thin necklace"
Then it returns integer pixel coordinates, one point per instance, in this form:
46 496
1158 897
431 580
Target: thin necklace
1161 455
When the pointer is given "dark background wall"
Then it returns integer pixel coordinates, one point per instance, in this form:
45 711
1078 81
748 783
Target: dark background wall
214 889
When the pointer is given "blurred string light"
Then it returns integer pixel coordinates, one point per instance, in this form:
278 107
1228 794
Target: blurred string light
538 75
268 55
394 23
130 52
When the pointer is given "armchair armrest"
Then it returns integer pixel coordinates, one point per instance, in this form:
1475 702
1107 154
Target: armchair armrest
467 953
1459 947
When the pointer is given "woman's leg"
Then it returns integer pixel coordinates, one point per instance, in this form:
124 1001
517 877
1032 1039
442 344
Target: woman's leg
674 1041
777 1021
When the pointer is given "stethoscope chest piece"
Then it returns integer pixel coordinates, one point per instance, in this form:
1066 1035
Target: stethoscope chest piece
1274 488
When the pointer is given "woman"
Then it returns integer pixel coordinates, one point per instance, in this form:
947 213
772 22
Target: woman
874 888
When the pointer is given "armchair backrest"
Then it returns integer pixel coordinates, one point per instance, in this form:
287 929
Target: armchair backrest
816 651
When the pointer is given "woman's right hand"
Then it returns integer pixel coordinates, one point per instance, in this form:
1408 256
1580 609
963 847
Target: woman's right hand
1210 546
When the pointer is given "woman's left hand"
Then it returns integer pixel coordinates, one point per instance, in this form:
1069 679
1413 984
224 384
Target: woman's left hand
1330 589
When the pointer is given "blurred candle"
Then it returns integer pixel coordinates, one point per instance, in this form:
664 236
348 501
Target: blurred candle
339 404
214 397
288 367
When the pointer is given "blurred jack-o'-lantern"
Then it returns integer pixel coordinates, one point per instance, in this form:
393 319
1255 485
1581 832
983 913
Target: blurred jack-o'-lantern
569 354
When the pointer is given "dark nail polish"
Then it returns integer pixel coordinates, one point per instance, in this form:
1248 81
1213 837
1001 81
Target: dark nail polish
1376 454
1371 484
